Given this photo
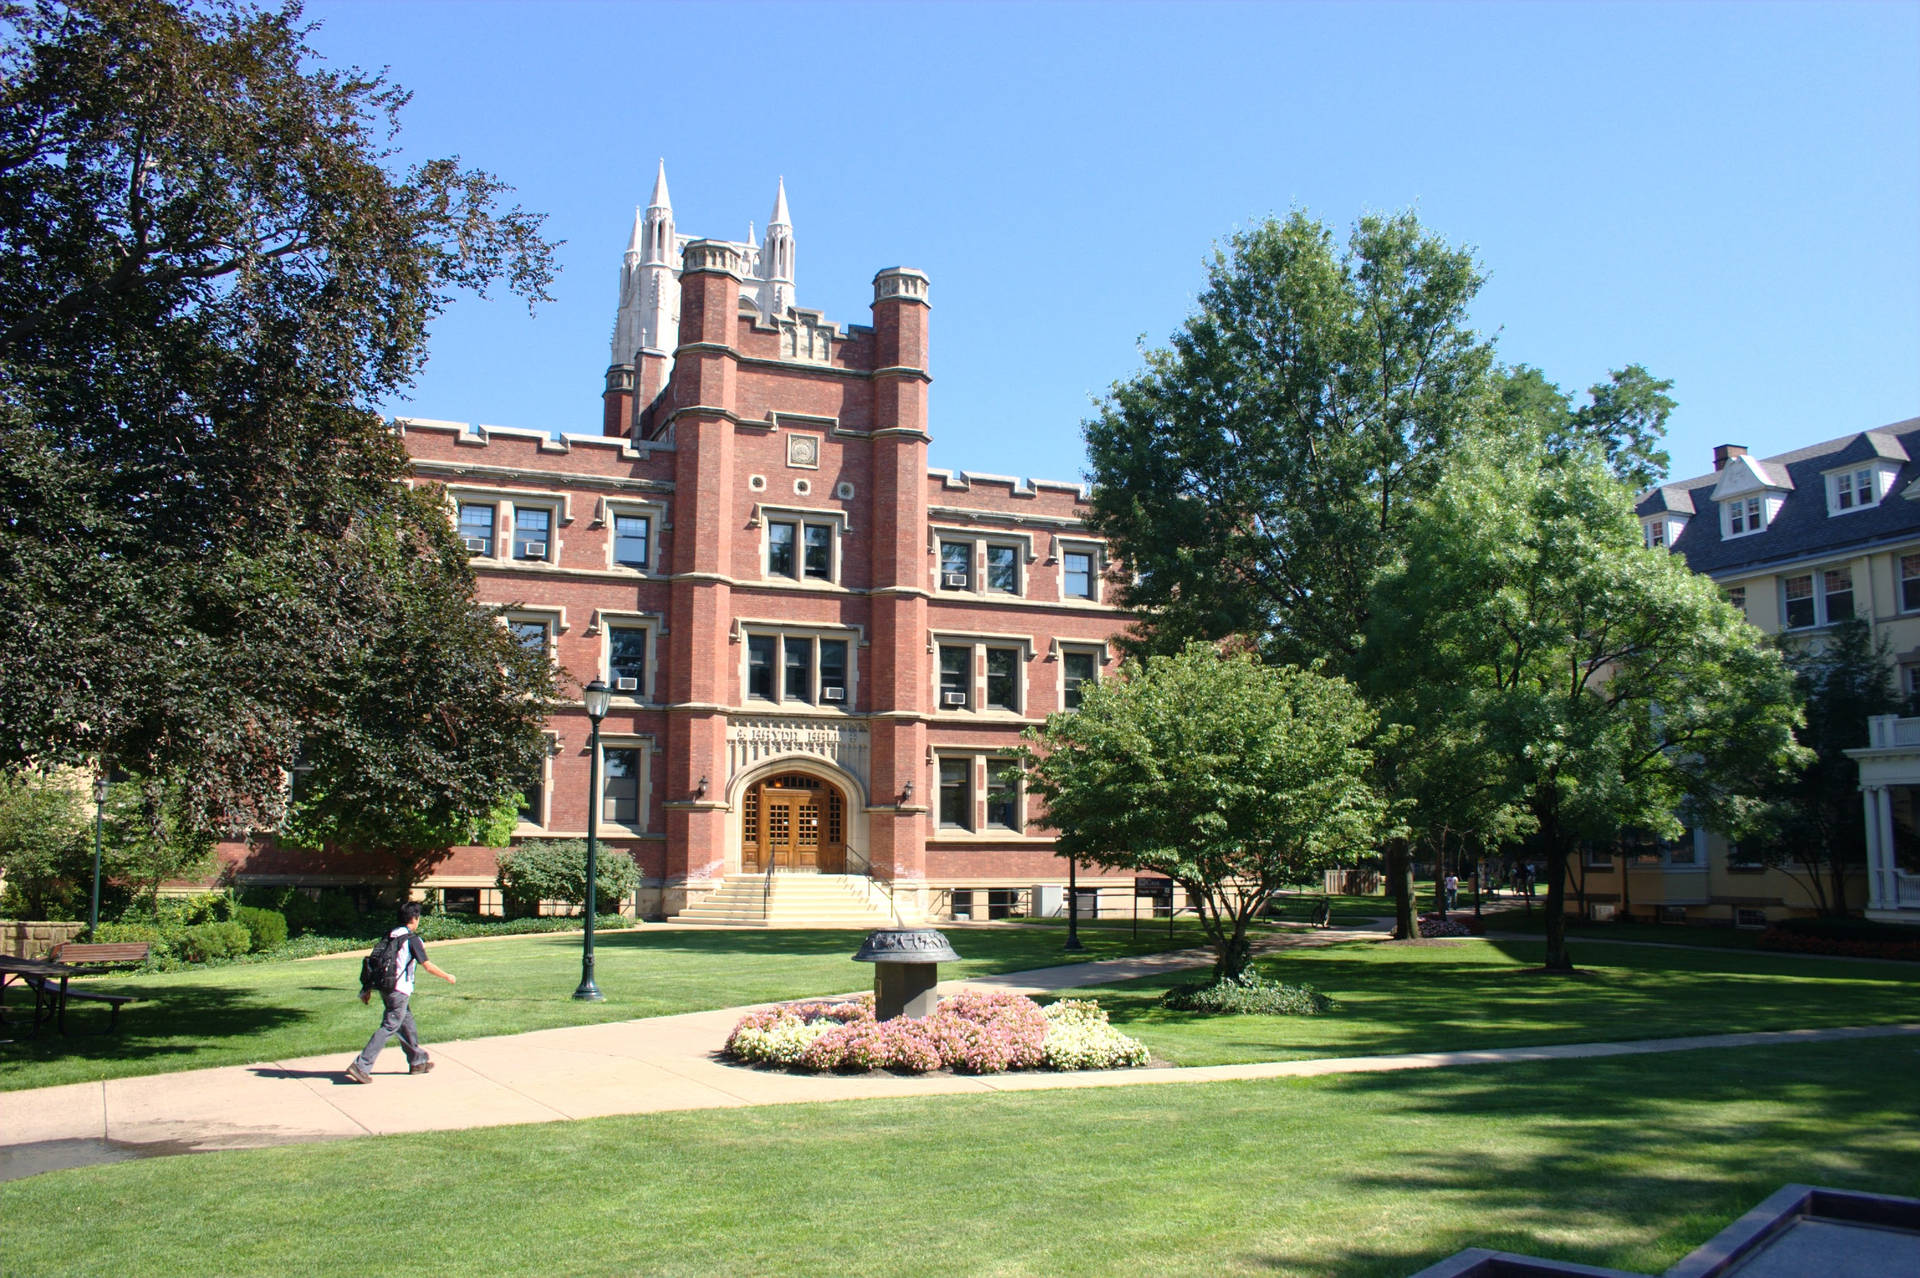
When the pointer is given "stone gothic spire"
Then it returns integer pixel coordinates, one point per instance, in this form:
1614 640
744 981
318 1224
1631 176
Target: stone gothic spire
776 259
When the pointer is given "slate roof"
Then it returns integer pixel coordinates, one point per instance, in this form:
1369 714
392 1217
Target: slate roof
1802 529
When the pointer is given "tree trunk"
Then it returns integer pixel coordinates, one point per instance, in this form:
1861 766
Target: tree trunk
1400 870
1557 958
1839 884
1235 956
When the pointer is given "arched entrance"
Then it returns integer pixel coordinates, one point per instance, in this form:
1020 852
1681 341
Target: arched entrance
793 821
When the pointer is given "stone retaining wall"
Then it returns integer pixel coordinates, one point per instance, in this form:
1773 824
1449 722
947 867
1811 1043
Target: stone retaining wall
24 939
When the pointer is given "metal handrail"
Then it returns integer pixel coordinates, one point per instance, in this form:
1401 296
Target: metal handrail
766 891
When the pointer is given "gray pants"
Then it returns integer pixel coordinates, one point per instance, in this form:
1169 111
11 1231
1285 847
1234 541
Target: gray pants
398 1020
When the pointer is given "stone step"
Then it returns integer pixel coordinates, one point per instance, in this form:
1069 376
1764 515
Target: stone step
795 900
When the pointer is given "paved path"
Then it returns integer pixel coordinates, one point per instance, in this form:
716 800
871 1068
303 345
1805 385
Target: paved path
631 1067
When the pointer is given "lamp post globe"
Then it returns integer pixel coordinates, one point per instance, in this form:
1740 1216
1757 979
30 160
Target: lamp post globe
597 697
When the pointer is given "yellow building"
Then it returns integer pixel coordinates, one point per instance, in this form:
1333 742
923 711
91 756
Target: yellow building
1798 542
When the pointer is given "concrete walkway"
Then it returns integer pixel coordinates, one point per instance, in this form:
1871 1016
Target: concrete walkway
632 1067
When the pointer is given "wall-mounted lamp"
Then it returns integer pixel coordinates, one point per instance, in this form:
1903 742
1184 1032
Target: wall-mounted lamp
700 790
906 795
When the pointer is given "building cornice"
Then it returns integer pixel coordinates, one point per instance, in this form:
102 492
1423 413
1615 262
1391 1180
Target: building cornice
429 466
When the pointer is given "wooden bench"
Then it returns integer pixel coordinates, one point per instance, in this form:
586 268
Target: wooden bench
113 1002
105 954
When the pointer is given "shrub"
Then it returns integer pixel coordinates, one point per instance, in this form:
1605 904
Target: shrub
205 941
1247 994
1079 1037
556 870
266 929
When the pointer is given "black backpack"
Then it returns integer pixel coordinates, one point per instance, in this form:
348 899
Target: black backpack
380 970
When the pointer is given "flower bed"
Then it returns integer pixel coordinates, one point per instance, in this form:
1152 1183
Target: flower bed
1432 925
973 1032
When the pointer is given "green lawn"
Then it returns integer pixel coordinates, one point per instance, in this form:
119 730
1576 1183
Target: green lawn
1629 1162
1476 993
275 1011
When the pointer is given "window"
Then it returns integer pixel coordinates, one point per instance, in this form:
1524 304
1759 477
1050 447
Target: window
963 663
812 669
1834 602
1745 515
1684 850
632 540
956 794
532 531
1003 794
780 561
1737 596
1003 569
533 798
1077 668
1076 572
627 659
532 635
476 527
1851 490
800 550
1910 583
978 563
956 565
1836 588
620 791
1003 679
1656 533
956 677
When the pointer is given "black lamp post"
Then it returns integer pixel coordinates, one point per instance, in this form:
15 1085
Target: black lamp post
100 787
1073 906
597 695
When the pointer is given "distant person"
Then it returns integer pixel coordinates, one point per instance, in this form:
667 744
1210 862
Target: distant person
412 954
1453 890
1526 875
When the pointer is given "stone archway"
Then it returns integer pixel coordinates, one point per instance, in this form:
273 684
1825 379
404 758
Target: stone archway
793 821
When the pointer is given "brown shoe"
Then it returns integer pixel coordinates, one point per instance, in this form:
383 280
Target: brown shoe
357 1075
422 1068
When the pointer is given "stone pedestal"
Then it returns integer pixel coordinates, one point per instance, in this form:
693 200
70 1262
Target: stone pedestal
906 968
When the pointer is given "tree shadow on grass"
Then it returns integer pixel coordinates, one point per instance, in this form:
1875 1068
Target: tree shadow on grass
164 1020
1624 1162
1481 995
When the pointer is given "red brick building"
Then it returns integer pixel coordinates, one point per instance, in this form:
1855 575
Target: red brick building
823 652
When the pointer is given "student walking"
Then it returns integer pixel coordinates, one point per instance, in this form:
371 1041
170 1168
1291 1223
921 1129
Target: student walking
398 1019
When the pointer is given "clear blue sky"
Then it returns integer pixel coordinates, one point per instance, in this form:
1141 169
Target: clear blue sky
1727 193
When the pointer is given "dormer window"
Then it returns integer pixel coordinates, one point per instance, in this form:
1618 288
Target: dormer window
1856 488
1745 515
1661 531
1656 531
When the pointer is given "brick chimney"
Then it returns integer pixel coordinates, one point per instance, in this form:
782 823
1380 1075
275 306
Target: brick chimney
1724 453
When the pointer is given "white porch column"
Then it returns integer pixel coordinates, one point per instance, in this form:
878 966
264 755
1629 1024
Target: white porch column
1881 893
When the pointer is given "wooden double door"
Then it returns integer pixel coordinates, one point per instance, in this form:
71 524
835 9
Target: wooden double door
793 822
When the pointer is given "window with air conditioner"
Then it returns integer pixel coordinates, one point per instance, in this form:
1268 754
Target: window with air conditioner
627 659
794 669
956 565
956 676
476 527
532 532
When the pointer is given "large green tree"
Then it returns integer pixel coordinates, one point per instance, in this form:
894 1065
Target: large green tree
1607 685
1231 778
1812 824
212 266
1261 470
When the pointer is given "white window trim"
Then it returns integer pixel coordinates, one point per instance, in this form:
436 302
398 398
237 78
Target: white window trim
1900 581
978 539
604 620
766 515
977 644
783 632
1669 527
1819 579
1879 480
656 515
1062 546
627 741
1768 505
